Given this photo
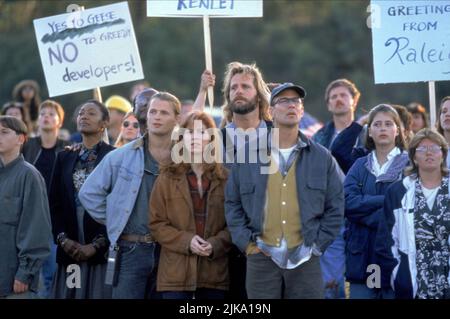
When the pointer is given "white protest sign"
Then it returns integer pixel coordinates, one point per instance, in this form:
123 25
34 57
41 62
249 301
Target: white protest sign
199 8
411 40
86 49
205 9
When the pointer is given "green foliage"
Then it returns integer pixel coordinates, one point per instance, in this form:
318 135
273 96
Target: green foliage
307 42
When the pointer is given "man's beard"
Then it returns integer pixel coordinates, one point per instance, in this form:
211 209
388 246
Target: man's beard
243 109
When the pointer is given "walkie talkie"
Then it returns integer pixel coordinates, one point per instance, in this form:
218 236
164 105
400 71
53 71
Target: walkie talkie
112 270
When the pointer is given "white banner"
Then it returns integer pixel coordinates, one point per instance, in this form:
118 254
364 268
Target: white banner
411 40
198 8
86 49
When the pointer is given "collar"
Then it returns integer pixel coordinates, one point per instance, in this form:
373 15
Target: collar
95 148
398 162
394 152
262 124
302 141
140 142
11 164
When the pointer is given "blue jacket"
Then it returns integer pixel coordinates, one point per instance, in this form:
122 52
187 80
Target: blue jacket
396 242
110 191
319 191
364 199
342 146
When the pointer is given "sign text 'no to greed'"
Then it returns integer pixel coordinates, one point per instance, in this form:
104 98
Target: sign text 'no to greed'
83 50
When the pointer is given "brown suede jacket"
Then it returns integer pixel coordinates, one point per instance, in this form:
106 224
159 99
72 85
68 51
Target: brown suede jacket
172 224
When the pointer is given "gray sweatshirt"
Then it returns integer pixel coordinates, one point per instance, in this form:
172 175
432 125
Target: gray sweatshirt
25 227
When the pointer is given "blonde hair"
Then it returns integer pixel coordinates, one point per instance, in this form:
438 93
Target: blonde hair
120 140
263 92
170 98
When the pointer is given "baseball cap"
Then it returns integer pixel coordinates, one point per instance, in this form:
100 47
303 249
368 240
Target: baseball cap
285 86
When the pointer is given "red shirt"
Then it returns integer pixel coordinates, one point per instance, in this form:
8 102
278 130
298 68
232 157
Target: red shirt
198 202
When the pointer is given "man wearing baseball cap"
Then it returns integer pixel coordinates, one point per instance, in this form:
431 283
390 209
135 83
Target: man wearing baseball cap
285 220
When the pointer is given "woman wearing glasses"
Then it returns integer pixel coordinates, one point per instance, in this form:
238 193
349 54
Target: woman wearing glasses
129 130
413 244
365 186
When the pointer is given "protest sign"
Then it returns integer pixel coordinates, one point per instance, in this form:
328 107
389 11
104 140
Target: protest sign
205 9
411 41
87 49
199 8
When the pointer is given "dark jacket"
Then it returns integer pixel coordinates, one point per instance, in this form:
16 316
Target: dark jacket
319 192
343 144
385 242
396 239
63 206
33 147
24 225
172 224
364 199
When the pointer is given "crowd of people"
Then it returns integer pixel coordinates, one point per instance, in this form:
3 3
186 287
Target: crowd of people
151 199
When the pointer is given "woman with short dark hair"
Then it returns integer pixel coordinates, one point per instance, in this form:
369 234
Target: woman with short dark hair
81 241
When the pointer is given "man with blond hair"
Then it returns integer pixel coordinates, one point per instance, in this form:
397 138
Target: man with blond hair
117 194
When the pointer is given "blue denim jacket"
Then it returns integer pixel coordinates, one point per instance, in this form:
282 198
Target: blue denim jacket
110 191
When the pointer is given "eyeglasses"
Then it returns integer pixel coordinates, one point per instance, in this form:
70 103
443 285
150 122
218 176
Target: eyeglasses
432 148
284 101
135 124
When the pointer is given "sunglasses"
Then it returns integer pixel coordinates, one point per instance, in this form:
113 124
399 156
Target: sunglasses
135 124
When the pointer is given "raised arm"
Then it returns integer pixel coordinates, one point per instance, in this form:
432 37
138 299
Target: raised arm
208 79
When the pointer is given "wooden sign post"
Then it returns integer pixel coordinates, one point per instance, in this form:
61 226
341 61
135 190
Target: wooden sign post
208 56
205 9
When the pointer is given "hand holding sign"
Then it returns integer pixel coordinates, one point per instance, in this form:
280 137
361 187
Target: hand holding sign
205 9
86 49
